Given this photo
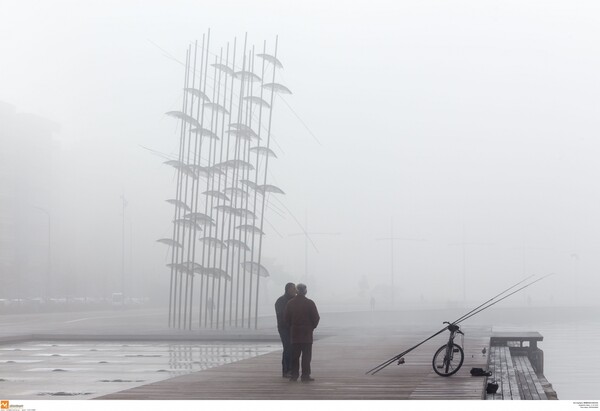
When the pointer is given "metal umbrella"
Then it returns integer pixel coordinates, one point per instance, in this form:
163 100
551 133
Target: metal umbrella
198 93
178 203
235 164
232 242
217 272
250 184
255 268
278 88
245 213
271 59
200 218
246 75
203 132
263 150
216 194
185 117
250 228
184 168
216 107
243 134
213 242
235 191
224 68
187 223
257 100
169 242
269 188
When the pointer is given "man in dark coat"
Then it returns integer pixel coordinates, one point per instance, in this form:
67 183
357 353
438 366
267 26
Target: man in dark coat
302 316
284 328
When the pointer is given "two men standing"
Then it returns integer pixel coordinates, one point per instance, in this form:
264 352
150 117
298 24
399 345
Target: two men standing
302 317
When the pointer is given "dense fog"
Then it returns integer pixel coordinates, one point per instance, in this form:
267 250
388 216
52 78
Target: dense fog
466 131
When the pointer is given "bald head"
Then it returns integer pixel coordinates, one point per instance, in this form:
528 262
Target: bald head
301 289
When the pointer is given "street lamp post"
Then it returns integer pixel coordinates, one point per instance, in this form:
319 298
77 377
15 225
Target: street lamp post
392 240
124 203
49 258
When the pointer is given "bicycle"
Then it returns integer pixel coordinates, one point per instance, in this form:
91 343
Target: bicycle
448 359
453 355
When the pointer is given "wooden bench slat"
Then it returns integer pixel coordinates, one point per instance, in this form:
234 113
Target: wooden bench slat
529 379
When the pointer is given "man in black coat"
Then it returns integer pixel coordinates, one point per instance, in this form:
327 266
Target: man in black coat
302 316
284 329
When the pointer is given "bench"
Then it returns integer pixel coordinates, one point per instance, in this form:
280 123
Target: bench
516 339
522 343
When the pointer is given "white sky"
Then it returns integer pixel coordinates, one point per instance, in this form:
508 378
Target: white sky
444 115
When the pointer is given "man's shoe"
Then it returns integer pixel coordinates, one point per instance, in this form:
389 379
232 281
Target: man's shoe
293 379
307 379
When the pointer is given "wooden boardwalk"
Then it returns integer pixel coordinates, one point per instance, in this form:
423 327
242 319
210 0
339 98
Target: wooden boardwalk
515 376
339 366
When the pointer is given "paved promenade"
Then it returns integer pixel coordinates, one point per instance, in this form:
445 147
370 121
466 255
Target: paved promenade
348 344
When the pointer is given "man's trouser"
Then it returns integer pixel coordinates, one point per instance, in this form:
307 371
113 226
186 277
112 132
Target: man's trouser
304 349
286 358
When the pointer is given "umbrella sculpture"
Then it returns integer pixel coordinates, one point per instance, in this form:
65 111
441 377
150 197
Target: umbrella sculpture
219 213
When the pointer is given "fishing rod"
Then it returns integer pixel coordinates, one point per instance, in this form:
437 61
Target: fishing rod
397 357
471 313
506 296
490 300
381 366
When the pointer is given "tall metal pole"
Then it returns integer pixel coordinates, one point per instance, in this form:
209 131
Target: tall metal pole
49 257
264 199
124 202
464 245
392 241
198 162
256 176
244 200
221 186
306 245
196 184
213 251
188 262
185 164
229 219
177 213
392 259
307 238
226 222
235 267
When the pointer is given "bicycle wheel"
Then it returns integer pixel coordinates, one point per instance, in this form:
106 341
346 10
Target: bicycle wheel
448 361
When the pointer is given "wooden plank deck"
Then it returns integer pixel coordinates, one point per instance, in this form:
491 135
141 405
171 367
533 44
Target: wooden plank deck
532 387
339 366
515 376
503 373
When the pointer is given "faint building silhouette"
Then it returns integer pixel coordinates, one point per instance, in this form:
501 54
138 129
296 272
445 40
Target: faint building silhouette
27 153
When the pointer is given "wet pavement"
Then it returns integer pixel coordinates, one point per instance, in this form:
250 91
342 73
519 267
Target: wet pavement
85 370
